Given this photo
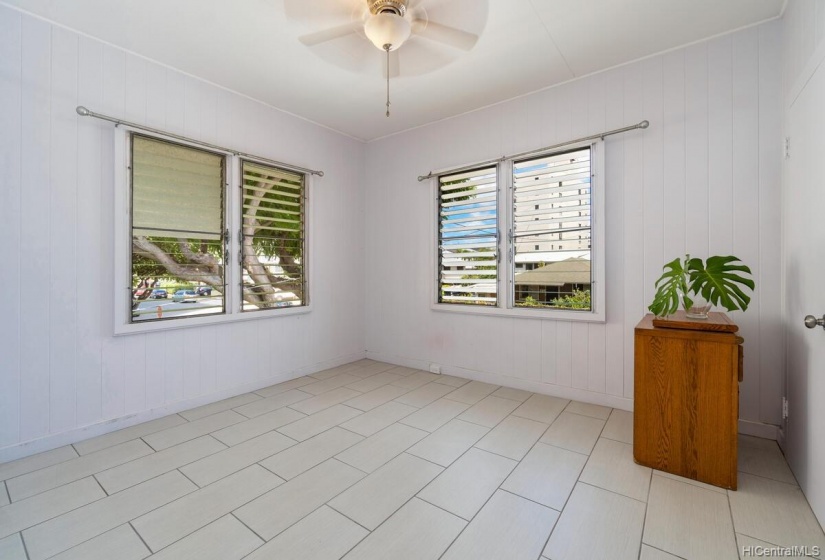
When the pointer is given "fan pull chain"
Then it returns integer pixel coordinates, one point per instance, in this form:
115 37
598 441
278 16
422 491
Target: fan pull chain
387 48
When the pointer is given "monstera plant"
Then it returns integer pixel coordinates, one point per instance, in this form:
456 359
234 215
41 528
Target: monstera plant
697 285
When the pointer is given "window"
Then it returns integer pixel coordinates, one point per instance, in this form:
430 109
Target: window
184 264
551 230
552 213
177 231
272 238
468 237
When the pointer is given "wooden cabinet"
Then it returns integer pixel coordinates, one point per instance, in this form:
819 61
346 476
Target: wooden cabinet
686 397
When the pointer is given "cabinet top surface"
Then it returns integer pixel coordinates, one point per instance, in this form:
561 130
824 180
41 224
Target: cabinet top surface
715 323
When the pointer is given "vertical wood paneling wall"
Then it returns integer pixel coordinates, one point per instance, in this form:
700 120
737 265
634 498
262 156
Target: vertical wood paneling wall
704 179
60 367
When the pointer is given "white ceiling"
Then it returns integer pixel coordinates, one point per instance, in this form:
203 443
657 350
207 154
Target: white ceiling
250 46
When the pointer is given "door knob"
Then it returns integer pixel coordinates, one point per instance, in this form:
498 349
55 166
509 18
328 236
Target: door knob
811 322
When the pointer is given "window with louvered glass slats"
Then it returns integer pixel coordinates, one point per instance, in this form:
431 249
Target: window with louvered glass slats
273 242
551 231
177 253
468 237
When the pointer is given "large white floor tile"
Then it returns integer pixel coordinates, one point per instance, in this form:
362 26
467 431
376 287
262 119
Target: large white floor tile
127 434
77 526
415 380
472 392
596 523
51 477
319 422
173 436
376 397
172 522
766 461
324 534
774 512
619 426
449 442
435 415
753 548
468 483
541 408
425 394
587 409
689 521
513 437
150 466
209 469
650 553
29 512
273 390
11 548
280 508
611 466
489 411
220 406
374 382
4 495
451 380
379 495
300 458
514 394
275 402
381 448
418 531
248 429
325 400
547 475
574 432
320 387
121 543
506 527
224 539
377 419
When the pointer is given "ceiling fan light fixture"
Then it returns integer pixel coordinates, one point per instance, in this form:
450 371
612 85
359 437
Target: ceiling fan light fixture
387 28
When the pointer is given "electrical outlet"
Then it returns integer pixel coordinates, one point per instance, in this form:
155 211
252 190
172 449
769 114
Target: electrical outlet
435 368
787 147
784 408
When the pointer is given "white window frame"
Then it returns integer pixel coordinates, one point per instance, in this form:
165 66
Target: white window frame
506 265
232 271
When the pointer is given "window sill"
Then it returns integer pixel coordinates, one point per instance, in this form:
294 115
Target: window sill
191 322
545 314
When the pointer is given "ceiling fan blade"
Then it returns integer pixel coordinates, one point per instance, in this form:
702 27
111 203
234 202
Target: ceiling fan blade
320 12
452 36
395 65
312 39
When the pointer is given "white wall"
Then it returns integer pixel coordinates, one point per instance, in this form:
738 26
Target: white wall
704 178
803 204
60 367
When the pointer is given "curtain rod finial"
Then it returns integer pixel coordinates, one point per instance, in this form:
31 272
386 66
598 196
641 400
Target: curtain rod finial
82 111
644 124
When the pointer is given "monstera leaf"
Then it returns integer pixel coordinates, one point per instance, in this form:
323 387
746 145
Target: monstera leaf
670 287
720 282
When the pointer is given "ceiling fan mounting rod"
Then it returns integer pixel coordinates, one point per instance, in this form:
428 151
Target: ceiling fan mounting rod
397 7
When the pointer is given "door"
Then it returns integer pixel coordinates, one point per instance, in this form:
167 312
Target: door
804 245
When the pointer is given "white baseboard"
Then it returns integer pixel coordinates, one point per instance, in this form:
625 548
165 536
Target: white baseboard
758 429
514 382
54 441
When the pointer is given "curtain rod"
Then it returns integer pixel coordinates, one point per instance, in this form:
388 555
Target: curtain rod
643 124
84 112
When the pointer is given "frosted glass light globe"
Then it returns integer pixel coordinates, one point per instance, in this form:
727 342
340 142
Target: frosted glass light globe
387 29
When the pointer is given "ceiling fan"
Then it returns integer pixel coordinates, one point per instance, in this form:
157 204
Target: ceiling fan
368 35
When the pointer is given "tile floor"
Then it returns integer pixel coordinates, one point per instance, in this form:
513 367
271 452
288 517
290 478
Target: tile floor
375 461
